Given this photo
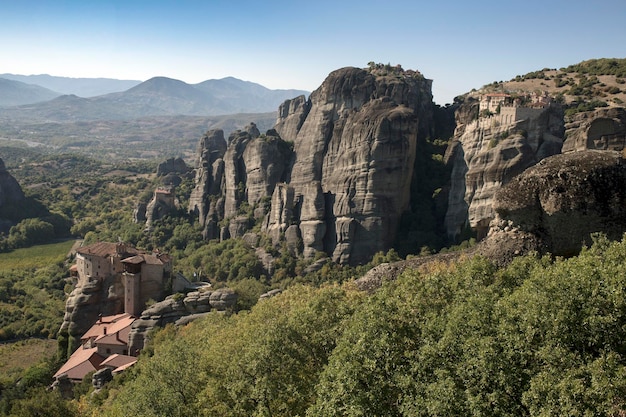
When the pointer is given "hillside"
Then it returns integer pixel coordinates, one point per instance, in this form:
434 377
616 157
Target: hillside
592 83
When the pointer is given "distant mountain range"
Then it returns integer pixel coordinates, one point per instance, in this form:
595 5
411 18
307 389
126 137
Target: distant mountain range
158 96
15 93
82 87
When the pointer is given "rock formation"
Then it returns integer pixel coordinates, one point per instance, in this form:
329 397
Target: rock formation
10 193
564 199
163 202
489 151
179 307
232 181
10 190
603 128
172 166
87 301
346 184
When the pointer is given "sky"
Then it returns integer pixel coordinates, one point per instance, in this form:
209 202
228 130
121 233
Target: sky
284 44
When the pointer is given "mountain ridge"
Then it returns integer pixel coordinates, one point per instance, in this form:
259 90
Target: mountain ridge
14 93
158 96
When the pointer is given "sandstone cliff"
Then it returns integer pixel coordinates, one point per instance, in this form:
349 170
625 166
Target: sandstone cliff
90 299
489 151
346 183
232 181
603 128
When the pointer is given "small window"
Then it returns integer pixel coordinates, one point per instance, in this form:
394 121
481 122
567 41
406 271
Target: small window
108 350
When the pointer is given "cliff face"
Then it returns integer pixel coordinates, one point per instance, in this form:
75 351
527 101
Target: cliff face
602 129
232 181
87 301
487 152
10 193
345 184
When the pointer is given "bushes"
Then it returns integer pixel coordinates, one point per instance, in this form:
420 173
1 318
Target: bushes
30 232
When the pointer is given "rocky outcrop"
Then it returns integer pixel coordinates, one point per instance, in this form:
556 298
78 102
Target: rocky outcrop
10 190
346 182
94 297
163 202
354 143
172 166
10 193
179 308
603 128
563 199
237 180
139 213
487 152
101 377
205 198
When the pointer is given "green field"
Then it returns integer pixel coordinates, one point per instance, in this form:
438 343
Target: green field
35 256
32 290
18 356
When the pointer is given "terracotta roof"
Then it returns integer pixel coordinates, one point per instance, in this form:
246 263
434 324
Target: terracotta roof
104 249
81 363
123 367
115 361
109 326
135 260
145 258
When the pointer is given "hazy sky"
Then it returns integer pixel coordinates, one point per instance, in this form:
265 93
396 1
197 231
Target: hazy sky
460 44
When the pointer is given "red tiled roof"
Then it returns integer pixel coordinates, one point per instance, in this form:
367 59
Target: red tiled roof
115 361
145 258
104 249
135 260
109 326
123 367
81 363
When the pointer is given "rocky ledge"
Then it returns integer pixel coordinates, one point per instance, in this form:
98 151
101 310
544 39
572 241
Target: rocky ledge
179 309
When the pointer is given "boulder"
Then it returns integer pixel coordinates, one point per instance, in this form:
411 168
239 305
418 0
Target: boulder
101 377
172 166
564 199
